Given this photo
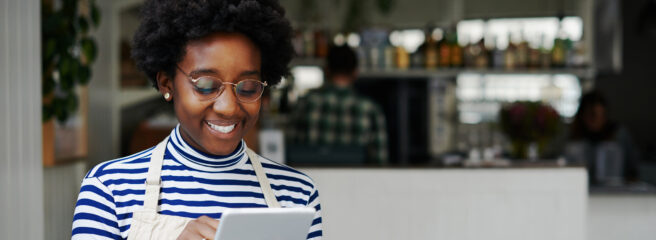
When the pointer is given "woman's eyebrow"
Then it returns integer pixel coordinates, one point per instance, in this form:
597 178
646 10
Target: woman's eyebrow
204 71
249 73
212 71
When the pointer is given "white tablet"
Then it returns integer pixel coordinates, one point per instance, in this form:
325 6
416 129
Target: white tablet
265 223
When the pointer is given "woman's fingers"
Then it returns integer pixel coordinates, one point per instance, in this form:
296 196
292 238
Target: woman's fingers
204 229
201 228
209 221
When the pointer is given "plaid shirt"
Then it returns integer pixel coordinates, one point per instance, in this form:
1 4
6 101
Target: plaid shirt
338 116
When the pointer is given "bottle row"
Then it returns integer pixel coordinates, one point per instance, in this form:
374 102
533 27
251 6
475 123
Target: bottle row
381 49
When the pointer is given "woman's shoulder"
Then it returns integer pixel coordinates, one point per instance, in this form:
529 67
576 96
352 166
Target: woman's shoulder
130 164
281 171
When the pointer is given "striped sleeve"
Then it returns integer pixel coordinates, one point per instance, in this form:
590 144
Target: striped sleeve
95 217
316 230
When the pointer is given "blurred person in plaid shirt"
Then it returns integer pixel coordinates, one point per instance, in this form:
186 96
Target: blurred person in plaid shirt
335 115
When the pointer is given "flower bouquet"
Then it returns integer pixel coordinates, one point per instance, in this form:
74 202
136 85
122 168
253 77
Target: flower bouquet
527 123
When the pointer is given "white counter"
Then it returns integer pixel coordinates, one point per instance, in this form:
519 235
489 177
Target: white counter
462 204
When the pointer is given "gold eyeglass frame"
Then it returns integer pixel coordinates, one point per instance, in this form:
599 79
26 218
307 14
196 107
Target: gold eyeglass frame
234 86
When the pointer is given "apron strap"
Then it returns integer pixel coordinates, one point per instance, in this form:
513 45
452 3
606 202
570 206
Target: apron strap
153 180
269 197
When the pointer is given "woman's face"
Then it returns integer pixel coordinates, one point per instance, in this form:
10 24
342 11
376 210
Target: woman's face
231 57
594 117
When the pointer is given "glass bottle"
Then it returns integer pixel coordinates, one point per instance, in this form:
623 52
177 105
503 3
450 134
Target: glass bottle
430 51
444 51
456 51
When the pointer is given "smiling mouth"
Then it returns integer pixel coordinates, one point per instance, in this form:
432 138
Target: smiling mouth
222 129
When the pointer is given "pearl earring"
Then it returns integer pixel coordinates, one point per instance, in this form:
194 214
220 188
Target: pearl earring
167 96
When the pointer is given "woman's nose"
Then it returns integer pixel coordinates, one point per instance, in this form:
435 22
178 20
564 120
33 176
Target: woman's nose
226 103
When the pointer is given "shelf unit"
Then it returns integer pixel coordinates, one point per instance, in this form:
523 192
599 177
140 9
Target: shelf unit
582 73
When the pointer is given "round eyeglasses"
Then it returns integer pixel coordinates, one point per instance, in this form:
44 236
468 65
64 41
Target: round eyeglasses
208 88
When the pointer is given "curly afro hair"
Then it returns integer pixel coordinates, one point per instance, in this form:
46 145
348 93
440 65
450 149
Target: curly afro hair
168 25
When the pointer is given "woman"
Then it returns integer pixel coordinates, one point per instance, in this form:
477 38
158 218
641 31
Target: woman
211 60
592 132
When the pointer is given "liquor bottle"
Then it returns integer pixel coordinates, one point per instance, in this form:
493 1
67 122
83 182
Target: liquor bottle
481 54
510 56
522 53
498 55
308 42
534 57
430 51
569 52
456 51
545 54
374 57
469 52
578 52
402 59
363 60
389 52
298 42
444 47
558 53
321 41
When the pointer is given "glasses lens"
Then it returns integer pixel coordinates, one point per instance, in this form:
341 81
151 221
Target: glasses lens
206 87
249 90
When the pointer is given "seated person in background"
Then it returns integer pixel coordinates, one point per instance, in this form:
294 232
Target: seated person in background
335 115
605 147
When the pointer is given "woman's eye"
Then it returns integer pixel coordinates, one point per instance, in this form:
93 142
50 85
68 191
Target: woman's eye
249 88
205 86
204 90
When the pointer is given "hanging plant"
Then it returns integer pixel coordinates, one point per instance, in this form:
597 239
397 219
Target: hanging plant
67 52
356 15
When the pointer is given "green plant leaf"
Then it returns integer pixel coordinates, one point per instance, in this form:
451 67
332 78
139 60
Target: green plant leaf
83 25
59 109
49 49
95 13
64 30
83 75
385 6
75 68
64 65
48 85
64 43
47 112
50 24
71 102
66 82
89 49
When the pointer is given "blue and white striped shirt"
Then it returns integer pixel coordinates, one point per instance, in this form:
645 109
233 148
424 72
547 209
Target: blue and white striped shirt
193 184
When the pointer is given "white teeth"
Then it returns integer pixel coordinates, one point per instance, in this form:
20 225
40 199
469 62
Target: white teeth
223 129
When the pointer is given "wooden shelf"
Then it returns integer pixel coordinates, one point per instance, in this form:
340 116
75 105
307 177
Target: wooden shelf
584 73
454 72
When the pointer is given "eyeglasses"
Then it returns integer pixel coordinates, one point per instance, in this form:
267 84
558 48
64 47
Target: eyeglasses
209 88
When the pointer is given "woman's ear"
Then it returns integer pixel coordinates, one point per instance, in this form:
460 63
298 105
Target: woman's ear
165 85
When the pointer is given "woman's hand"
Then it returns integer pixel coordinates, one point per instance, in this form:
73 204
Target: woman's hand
200 228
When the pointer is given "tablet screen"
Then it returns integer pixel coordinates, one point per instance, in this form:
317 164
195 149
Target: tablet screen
265 223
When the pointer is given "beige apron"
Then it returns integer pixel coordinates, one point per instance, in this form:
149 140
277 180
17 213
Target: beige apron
148 224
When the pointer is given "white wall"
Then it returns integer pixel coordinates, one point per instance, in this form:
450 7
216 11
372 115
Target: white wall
622 216
21 167
453 203
61 187
103 89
